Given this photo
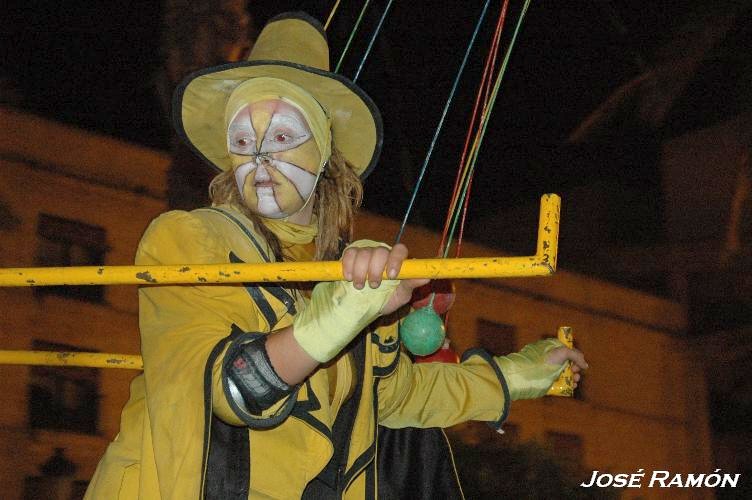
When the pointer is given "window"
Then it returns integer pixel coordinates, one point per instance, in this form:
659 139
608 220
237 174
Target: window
56 481
566 447
78 489
8 219
62 488
496 338
64 242
63 398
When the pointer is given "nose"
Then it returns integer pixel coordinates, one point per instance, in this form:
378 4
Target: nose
263 158
262 174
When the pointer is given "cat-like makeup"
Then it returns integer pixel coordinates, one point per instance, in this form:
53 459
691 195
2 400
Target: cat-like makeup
275 158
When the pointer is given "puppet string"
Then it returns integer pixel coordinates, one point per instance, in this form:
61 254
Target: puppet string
331 15
373 39
465 175
422 173
483 92
485 118
486 92
352 35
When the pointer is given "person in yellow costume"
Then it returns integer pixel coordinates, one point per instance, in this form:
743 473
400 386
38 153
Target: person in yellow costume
262 390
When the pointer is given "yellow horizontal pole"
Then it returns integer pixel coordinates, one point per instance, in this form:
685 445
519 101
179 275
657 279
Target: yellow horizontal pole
564 385
200 274
86 359
541 264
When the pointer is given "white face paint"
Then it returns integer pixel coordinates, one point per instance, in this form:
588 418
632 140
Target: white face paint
267 204
277 173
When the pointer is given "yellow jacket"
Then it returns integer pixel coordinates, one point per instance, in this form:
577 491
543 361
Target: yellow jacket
175 442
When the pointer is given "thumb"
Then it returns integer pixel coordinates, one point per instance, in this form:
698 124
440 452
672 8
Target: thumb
562 354
414 283
402 294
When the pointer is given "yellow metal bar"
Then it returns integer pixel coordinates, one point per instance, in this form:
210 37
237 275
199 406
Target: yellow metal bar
492 267
564 385
541 264
547 248
87 359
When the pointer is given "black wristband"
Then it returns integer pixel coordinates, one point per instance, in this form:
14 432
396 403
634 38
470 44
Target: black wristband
251 373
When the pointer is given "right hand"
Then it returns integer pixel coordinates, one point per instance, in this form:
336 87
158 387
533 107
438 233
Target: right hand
367 263
339 310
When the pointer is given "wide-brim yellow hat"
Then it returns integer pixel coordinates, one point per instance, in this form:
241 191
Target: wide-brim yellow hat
291 47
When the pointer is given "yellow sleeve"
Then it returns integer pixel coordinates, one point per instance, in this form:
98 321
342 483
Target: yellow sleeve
443 394
184 328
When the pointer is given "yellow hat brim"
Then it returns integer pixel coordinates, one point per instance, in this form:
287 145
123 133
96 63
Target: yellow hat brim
199 105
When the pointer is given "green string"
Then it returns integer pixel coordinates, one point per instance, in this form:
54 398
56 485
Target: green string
352 35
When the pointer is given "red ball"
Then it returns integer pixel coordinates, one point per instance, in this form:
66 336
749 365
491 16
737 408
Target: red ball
445 295
444 355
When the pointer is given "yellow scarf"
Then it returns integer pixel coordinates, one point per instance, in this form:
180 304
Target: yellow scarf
296 234
297 240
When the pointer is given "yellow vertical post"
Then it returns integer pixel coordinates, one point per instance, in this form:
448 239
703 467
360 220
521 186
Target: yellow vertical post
548 230
564 385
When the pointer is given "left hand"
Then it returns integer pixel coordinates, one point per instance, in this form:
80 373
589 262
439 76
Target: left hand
561 354
531 372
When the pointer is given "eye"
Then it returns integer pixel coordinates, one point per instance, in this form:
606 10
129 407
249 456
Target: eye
241 138
285 132
242 144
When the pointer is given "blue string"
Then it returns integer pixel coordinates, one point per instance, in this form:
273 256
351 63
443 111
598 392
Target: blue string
441 121
373 39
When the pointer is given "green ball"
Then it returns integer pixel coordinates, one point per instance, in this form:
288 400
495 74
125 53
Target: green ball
422 331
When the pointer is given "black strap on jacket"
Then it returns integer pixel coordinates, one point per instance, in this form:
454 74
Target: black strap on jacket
331 482
226 464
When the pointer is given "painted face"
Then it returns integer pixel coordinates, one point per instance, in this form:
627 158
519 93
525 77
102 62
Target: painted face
275 158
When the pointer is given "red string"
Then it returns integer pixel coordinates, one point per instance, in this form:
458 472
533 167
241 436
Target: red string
484 91
488 91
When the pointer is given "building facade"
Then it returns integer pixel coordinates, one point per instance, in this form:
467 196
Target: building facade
69 197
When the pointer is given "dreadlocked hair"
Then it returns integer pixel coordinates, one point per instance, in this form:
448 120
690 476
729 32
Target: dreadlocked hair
339 193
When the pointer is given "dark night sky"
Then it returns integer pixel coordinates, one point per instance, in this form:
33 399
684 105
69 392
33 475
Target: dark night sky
92 64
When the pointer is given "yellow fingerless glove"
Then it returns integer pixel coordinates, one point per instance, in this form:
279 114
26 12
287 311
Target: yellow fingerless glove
527 374
338 311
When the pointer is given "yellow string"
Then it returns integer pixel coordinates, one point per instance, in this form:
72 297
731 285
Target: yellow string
331 15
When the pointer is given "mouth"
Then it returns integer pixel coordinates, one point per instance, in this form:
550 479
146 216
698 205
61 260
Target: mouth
265 184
